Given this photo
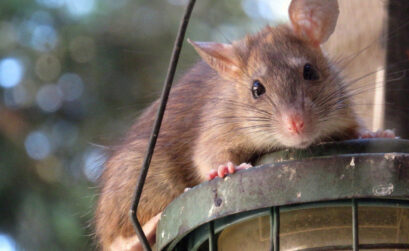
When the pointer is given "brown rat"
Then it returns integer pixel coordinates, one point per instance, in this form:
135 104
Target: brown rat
270 90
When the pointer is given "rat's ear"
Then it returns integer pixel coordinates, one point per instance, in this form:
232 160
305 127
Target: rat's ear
220 57
314 20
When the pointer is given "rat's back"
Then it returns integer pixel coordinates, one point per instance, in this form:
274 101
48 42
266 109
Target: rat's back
171 169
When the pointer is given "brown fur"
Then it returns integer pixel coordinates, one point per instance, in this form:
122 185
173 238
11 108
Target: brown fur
212 119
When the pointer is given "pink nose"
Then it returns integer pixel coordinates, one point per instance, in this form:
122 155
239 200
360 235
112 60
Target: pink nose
295 124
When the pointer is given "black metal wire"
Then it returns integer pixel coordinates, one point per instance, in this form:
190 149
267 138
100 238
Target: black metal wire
212 237
361 246
158 121
276 229
355 230
271 214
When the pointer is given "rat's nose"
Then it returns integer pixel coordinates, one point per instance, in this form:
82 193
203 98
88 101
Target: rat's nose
294 123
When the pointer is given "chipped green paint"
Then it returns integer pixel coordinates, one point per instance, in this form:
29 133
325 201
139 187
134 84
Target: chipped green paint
377 168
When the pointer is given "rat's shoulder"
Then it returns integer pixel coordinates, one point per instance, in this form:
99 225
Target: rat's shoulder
197 84
199 74
188 96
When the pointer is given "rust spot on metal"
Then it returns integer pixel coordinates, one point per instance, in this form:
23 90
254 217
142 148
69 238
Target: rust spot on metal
218 202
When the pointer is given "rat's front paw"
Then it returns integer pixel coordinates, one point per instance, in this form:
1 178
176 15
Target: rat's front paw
365 134
227 168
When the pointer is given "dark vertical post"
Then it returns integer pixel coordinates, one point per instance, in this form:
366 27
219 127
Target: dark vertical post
212 237
271 217
355 231
397 65
276 228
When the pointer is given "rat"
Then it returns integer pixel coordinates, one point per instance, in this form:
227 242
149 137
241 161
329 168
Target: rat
271 90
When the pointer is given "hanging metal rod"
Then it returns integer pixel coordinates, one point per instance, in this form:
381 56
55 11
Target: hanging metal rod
158 121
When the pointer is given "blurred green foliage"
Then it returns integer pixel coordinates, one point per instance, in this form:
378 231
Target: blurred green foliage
74 74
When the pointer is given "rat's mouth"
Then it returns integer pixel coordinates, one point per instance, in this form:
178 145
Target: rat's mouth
300 145
304 144
298 141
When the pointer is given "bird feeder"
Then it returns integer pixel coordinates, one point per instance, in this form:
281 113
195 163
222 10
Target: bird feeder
346 195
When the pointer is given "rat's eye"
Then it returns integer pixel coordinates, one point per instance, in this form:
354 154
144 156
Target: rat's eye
257 89
310 73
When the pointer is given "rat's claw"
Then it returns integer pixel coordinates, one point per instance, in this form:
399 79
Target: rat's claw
244 166
212 174
366 134
228 168
222 170
386 133
378 134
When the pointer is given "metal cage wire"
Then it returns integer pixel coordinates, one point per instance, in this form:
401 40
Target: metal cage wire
274 217
158 121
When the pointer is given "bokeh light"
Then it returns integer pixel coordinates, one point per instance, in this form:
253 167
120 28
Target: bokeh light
49 169
38 31
64 134
82 49
94 160
8 35
37 145
76 8
52 3
114 4
11 72
266 9
44 38
71 86
178 2
7 243
41 17
48 67
16 96
80 7
49 98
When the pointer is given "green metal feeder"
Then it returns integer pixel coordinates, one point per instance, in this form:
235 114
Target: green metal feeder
346 195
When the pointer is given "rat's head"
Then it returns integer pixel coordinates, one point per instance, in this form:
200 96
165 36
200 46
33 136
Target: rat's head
295 93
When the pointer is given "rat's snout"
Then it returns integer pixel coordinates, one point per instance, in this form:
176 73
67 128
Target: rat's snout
297 128
294 123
